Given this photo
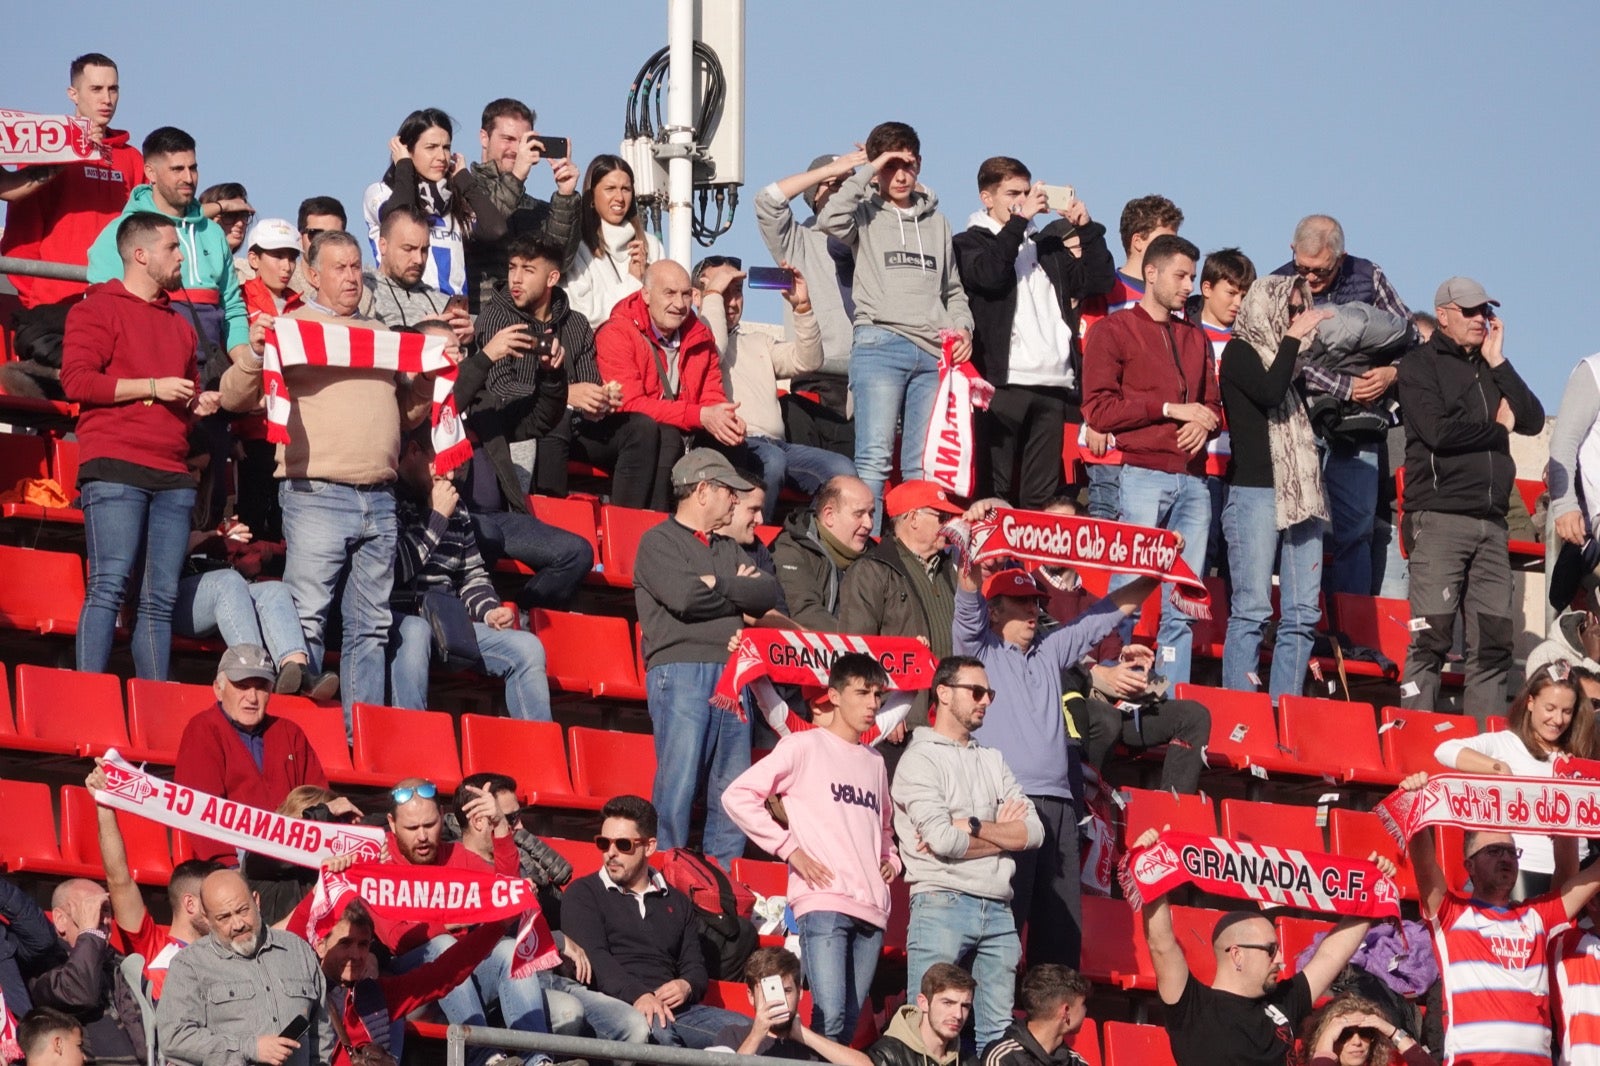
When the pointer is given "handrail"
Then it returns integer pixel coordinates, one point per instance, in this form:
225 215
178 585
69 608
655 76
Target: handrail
39 268
457 1037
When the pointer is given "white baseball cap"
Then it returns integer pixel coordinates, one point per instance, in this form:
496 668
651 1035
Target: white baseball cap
273 235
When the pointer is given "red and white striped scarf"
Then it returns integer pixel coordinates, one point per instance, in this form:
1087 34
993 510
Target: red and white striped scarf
306 342
951 444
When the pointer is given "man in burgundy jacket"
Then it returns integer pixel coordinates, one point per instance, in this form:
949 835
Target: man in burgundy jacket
1148 378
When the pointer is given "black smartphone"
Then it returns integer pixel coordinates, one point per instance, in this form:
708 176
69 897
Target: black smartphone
769 278
296 1028
554 147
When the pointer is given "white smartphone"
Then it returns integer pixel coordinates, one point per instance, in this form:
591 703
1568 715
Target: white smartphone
772 989
1059 197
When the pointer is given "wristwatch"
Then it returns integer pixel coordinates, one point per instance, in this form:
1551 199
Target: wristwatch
974 825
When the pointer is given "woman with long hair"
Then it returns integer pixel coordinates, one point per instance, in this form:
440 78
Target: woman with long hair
1353 1031
613 246
1550 716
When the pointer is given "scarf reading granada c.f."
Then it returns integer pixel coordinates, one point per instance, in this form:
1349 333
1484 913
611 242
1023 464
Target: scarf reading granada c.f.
803 657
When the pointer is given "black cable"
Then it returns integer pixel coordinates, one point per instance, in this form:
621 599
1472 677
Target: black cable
644 116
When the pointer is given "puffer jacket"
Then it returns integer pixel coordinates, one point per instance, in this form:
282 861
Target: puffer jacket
1359 337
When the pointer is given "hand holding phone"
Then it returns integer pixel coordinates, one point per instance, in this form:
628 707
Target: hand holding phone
296 1028
1059 197
554 147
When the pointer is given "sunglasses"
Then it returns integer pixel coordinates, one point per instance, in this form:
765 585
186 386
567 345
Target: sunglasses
1270 949
1316 272
228 218
1499 851
1481 311
1365 1032
313 234
427 790
624 845
979 692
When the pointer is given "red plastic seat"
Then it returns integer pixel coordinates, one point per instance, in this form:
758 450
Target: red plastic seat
323 726
40 591
1086 1042
1335 738
1114 953
392 744
1357 834
575 514
532 752
1151 809
582 854
1244 732
1275 825
158 712
10 739
74 713
1408 745
144 841
1127 1044
64 464
620 530
29 843
1377 623
607 764
589 653
1295 935
767 878
23 455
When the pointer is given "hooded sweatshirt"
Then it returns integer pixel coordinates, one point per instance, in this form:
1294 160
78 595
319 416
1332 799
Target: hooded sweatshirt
208 274
827 265
901 1044
58 221
905 279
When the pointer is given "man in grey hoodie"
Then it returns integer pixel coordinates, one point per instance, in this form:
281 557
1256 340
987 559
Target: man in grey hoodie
959 814
907 294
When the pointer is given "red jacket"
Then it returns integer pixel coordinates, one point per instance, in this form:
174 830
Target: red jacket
113 334
258 300
1132 365
59 221
212 757
628 351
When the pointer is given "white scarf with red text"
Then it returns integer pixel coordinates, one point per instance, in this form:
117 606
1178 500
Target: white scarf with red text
951 444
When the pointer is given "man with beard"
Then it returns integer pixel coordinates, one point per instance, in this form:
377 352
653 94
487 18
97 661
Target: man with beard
231 996
398 295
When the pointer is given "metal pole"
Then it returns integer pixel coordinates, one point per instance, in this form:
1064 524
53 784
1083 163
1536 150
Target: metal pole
457 1037
39 268
680 117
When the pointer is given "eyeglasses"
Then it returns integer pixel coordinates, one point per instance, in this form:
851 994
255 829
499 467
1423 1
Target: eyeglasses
1481 311
979 692
624 845
1499 851
1270 949
1316 272
427 790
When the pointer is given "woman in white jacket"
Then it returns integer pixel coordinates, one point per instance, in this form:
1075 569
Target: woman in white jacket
614 248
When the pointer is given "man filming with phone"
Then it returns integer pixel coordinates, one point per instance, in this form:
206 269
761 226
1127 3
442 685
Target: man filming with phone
772 980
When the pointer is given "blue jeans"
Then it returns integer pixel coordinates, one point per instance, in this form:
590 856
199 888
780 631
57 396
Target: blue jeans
1180 503
696 744
126 528
840 954
695 1026
336 531
578 1010
981 935
222 602
802 466
513 654
1105 491
521 1001
894 382
1350 473
1249 522
560 560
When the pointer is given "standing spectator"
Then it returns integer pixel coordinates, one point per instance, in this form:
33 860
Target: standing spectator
1143 220
752 362
1576 966
50 1038
665 360
641 933
776 1029
273 252
1224 279
398 294
907 292
928 1030
1574 468
1461 400
1276 507
818 546
741 528
87 982
229 996
1351 471
1025 287
228 205
53 213
959 813
693 591
317 214
511 149
1054 1002
1148 379
438 552
129 361
905 585
273 255
338 472
838 840
613 247
424 174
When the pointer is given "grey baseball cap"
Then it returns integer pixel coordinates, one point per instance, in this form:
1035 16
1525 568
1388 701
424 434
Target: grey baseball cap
810 195
1463 292
245 661
708 464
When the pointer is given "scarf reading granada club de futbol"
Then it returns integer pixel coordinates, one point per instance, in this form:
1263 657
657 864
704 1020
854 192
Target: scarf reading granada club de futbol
1560 806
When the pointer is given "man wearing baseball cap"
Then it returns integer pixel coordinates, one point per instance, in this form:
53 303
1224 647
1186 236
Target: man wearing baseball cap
1461 400
694 589
905 585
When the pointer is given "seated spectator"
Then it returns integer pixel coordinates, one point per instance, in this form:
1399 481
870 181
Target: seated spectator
665 359
1054 1004
613 246
511 388
818 546
50 1038
230 995
89 984
317 214
511 149
776 1030
904 302
540 863
438 554
905 585
400 297
228 205
929 1030
424 175
27 945
752 363
1351 1030
641 933
129 361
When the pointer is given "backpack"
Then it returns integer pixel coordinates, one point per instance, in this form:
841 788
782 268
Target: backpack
722 907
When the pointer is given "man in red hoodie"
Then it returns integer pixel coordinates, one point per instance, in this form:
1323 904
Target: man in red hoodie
665 359
1148 378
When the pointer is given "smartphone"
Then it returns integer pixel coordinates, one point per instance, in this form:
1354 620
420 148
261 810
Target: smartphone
455 303
769 278
772 989
296 1028
1059 197
554 147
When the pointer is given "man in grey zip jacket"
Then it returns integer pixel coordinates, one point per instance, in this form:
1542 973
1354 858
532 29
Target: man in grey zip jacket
959 813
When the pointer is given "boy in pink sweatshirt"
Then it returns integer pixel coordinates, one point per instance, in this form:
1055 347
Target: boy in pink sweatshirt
839 841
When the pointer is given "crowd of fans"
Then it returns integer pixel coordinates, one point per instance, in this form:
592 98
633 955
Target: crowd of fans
1261 418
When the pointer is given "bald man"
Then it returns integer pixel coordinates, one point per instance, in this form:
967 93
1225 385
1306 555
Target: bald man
87 985
665 358
230 996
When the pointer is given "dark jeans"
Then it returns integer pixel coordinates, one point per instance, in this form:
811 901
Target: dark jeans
559 559
627 445
1024 429
258 505
1184 726
1047 887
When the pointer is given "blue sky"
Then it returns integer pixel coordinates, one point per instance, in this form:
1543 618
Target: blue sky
1448 138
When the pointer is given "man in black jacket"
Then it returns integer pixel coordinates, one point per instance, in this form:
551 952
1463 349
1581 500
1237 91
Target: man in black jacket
89 984
818 545
1055 1000
1461 400
1022 286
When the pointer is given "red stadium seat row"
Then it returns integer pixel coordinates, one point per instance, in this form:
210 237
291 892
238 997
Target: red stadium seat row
28 456
612 532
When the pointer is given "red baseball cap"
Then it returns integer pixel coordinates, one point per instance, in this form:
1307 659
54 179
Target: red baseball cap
912 495
1013 583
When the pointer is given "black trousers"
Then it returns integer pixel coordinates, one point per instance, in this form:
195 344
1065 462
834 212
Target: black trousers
1183 725
629 445
1047 888
1024 430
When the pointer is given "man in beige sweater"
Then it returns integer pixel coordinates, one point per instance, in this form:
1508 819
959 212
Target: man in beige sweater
337 473
752 363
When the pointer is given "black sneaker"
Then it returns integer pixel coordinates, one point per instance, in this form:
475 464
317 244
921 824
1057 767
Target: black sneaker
291 678
323 686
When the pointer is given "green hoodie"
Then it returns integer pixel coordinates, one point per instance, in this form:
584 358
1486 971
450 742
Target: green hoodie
207 263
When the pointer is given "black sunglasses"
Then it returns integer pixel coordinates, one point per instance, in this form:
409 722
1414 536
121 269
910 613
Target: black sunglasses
313 234
1366 1032
624 845
978 691
1481 311
427 790
721 260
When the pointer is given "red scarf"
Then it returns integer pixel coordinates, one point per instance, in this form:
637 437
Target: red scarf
1541 806
947 453
803 657
1038 539
1570 766
1311 880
